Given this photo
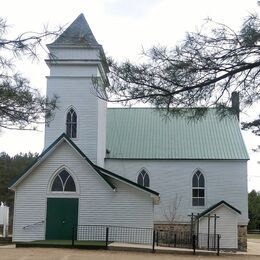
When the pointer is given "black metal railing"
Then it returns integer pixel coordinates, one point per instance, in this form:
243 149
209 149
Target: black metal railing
174 239
34 224
187 239
136 235
132 235
91 232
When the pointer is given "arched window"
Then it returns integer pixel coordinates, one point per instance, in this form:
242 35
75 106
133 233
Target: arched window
71 123
198 189
63 182
143 178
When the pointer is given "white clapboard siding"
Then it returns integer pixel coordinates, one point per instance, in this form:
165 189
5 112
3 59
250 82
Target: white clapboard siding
225 180
226 226
71 80
98 203
74 94
75 53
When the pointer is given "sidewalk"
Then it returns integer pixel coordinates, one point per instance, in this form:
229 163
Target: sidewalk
253 248
158 249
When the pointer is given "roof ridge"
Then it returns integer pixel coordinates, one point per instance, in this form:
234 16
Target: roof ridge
103 173
214 206
49 148
126 180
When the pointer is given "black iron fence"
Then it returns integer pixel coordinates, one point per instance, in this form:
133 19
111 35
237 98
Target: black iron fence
174 239
207 241
148 236
188 240
120 234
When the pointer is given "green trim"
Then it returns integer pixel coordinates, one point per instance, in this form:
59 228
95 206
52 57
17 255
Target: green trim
64 244
103 173
126 180
62 136
89 161
205 212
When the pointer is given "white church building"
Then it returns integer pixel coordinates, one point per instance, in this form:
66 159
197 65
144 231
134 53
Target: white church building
126 166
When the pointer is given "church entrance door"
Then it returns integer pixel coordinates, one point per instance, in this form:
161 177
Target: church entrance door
62 215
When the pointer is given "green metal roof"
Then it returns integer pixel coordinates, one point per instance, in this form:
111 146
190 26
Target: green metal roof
144 133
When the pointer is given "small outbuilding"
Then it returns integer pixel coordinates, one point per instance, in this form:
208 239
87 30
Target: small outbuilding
222 219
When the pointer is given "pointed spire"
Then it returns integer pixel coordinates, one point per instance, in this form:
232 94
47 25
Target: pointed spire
78 33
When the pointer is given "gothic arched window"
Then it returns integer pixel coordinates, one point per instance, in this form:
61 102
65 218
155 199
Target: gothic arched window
71 123
63 182
198 189
143 178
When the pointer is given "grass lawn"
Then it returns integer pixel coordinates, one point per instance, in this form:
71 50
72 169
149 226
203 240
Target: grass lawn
68 242
62 243
253 236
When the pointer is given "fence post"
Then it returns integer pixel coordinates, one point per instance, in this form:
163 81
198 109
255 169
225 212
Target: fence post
153 240
157 238
107 234
218 244
175 240
194 244
73 236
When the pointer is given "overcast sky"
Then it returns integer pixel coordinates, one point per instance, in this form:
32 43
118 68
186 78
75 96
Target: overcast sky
123 27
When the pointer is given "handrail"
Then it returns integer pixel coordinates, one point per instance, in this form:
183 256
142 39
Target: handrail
34 224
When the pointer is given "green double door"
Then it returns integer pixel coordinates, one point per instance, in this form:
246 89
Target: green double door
62 215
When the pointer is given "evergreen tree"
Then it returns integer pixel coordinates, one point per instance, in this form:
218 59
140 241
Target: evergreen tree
10 168
21 106
254 210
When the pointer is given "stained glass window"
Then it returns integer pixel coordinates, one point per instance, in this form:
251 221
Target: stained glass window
63 182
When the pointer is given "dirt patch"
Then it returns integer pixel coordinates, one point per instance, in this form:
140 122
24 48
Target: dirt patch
75 254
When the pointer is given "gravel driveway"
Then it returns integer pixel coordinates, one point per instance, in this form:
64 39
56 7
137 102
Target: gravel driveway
77 254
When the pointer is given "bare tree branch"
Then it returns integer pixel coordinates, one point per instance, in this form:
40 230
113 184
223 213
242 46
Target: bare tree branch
21 106
171 210
202 71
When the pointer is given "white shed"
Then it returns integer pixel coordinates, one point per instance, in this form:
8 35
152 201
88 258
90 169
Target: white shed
226 224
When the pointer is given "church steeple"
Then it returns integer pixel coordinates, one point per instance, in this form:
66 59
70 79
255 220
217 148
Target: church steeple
75 59
78 33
